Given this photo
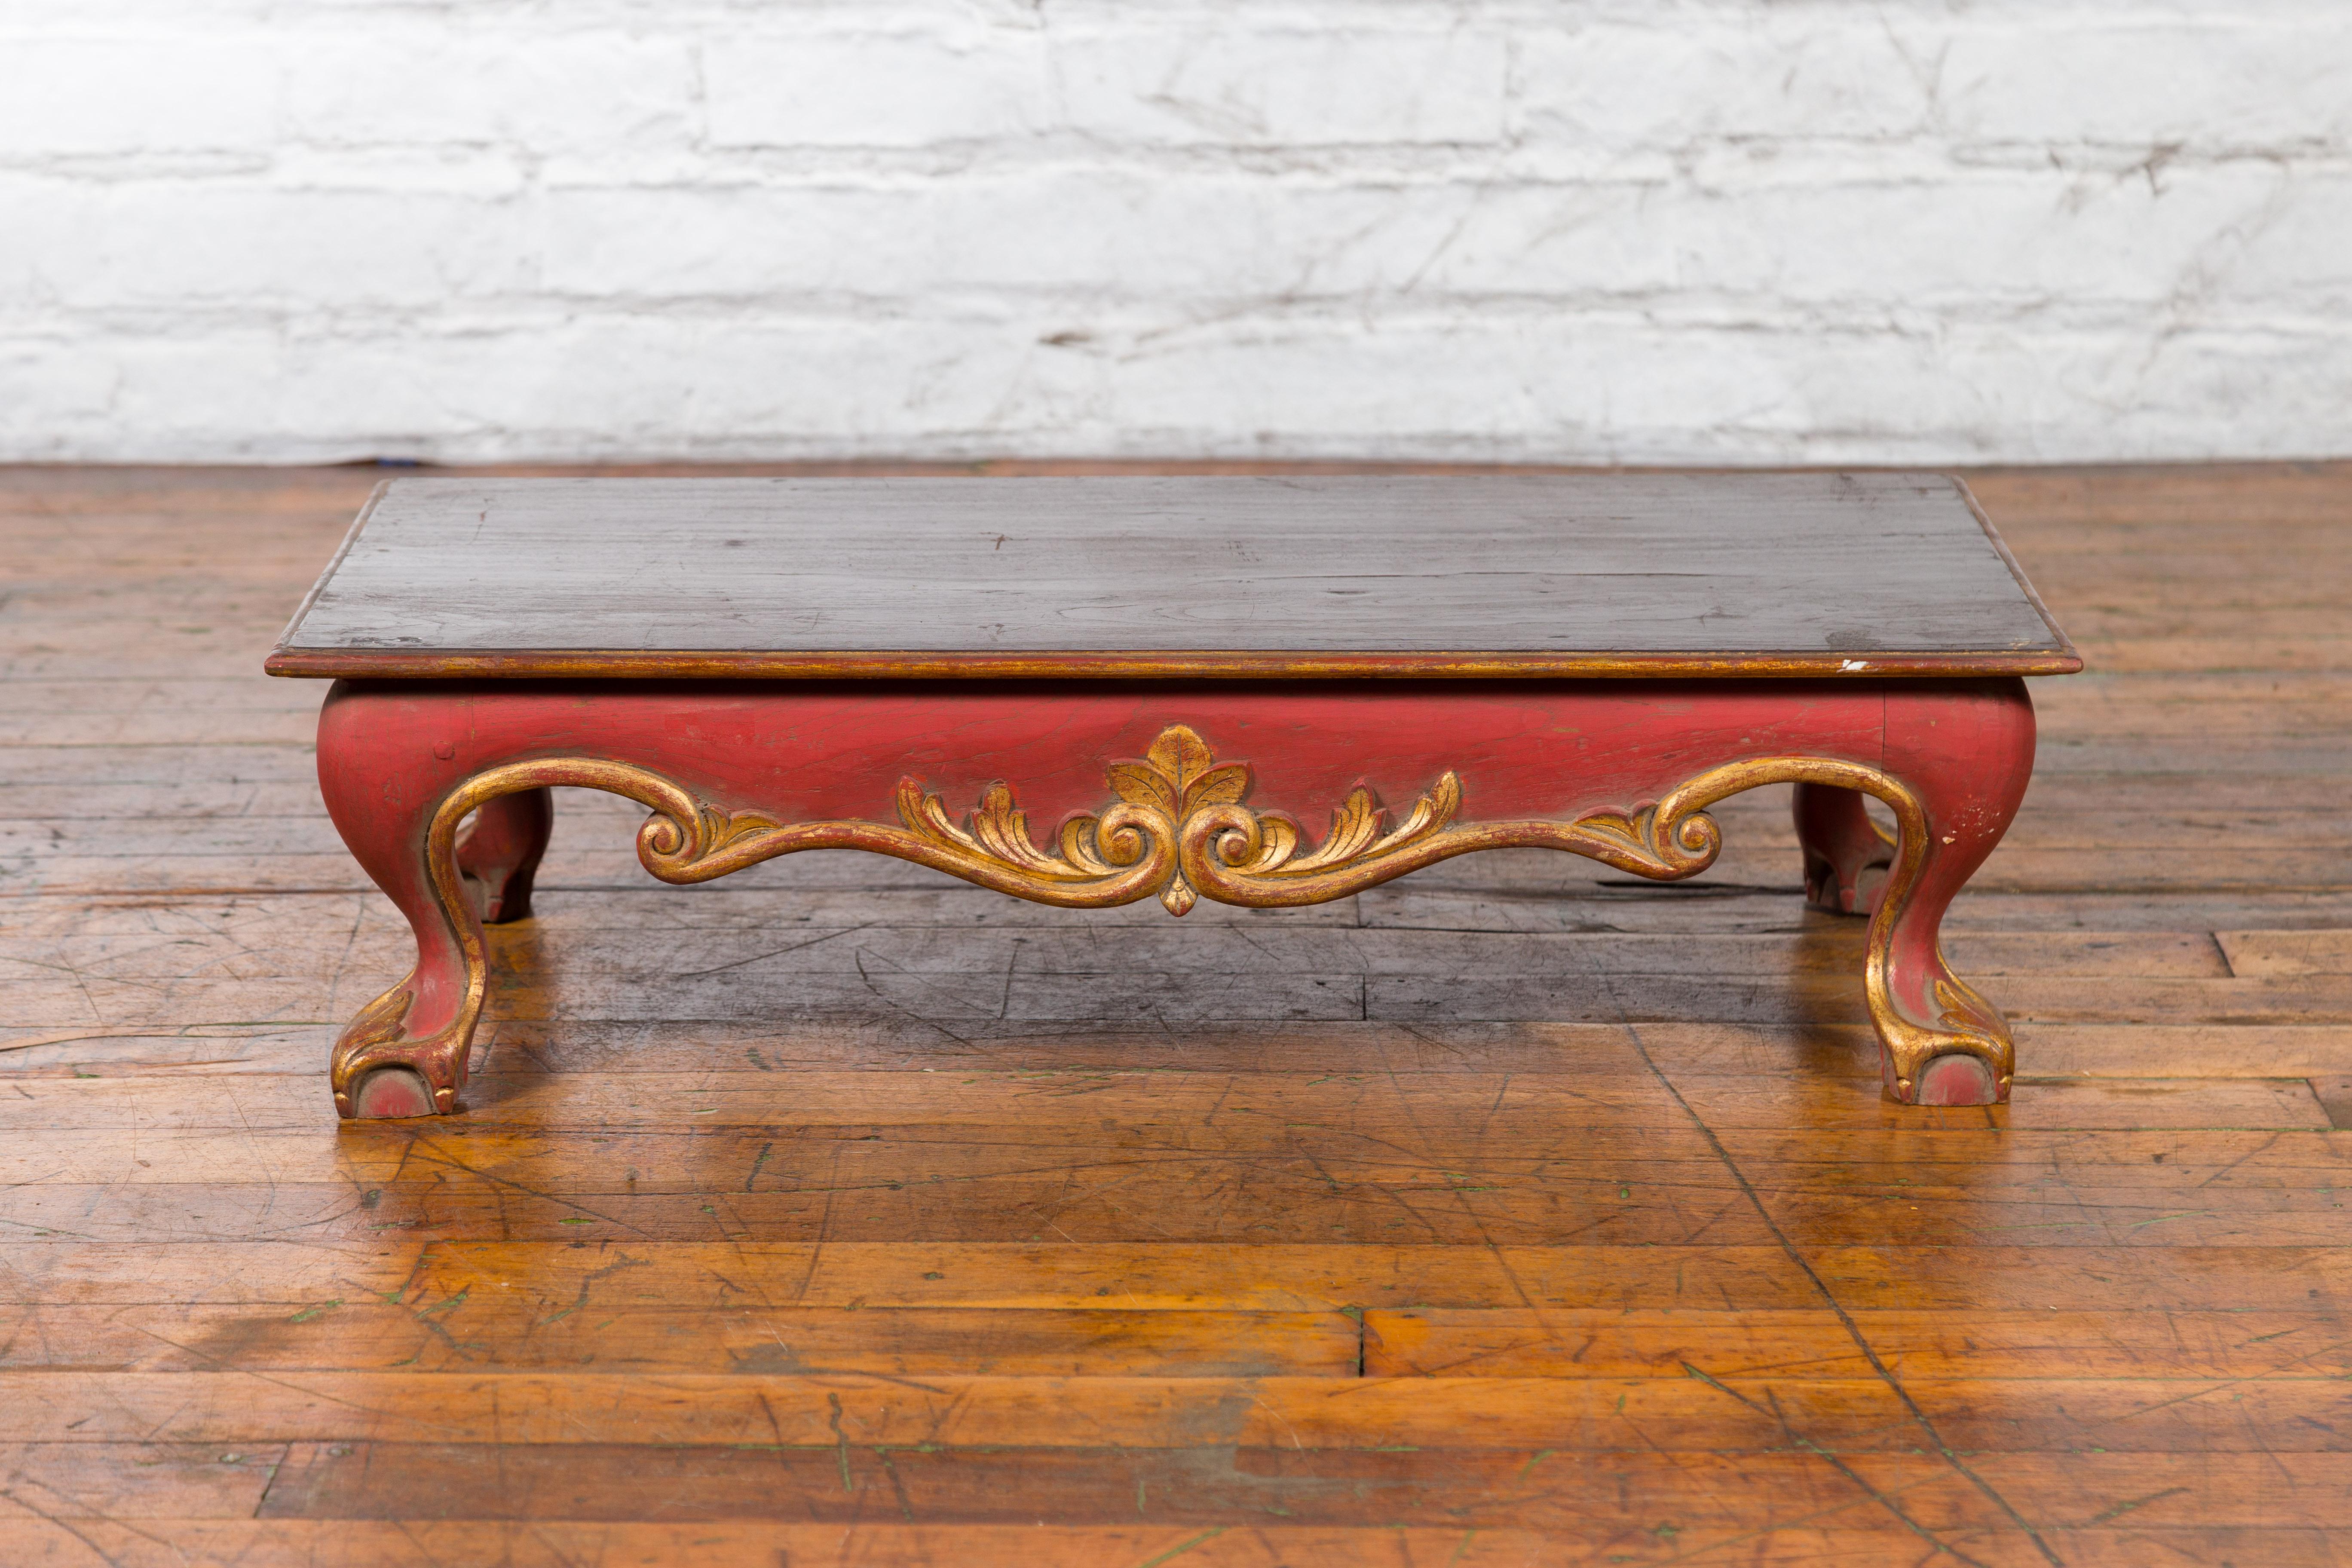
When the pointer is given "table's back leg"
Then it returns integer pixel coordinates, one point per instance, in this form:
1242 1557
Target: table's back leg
499 854
1964 757
1847 857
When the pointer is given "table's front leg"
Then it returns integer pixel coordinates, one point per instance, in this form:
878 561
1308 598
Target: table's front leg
392 781
1962 756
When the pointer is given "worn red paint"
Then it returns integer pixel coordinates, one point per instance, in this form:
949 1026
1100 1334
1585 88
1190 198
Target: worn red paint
391 751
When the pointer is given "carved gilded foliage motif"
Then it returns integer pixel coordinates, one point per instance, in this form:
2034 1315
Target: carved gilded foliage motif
1179 817
1179 827
1178 776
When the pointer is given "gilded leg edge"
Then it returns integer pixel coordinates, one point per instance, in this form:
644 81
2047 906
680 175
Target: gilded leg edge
1963 1054
379 1072
1968 1059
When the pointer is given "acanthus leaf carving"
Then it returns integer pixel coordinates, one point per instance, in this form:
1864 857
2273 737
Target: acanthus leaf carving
1178 794
1180 828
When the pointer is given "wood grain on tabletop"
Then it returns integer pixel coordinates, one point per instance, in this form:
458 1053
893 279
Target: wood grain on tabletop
1516 1212
1797 562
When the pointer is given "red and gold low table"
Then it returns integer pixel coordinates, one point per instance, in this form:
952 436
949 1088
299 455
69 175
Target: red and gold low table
1092 691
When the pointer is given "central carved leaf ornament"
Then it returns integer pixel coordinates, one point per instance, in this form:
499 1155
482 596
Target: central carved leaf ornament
1181 805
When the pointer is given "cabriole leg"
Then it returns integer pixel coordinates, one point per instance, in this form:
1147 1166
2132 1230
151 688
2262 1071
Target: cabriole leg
1964 757
1846 855
385 777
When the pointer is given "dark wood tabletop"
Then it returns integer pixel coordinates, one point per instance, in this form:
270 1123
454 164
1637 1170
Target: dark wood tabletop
1813 573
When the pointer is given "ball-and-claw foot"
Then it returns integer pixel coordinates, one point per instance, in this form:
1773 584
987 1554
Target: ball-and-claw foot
1954 1078
388 1092
379 1073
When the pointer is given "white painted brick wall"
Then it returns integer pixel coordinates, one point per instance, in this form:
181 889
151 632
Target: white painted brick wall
1631 230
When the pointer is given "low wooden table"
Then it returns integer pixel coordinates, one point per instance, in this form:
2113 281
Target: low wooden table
1176 680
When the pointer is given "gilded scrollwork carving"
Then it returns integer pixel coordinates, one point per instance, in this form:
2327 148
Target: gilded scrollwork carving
1115 857
1179 817
1180 828
1963 1021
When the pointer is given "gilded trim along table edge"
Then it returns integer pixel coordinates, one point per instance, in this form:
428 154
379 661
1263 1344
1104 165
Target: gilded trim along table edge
435 766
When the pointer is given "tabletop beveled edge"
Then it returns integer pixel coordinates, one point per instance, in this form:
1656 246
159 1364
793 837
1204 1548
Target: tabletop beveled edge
2016 571
545 664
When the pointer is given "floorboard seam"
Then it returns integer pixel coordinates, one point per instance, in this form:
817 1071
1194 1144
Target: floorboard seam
1853 1329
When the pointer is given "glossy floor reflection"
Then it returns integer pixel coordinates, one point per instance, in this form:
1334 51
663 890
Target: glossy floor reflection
1514 1213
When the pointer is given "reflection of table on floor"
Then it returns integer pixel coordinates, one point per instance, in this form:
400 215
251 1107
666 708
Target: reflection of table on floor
1092 691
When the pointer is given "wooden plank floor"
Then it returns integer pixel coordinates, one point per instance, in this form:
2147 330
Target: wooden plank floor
1515 1213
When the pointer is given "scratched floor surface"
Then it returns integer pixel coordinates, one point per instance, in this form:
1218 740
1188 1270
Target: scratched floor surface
1512 1214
